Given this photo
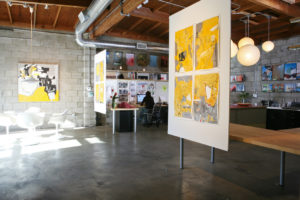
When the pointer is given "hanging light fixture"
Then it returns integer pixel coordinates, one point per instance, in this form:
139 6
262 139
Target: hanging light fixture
248 54
234 49
268 45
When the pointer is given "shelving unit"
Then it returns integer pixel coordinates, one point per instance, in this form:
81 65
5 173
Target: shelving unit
137 75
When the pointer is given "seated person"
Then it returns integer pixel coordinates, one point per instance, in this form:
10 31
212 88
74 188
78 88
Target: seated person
149 103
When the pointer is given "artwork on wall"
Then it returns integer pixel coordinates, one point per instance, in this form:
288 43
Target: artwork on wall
266 73
132 91
151 88
153 61
118 58
183 97
107 56
130 59
297 87
279 87
141 87
237 87
38 82
206 44
123 91
100 82
205 102
289 87
237 78
184 50
142 60
278 72
161 92
298 71
267 87
290 71
164 62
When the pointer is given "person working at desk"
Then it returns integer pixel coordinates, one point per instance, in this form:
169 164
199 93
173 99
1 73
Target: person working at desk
149 103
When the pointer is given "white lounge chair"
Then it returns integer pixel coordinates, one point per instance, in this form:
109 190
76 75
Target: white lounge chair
58 119
7 119
30 119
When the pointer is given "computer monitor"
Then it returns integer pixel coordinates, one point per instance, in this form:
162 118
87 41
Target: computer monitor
140 98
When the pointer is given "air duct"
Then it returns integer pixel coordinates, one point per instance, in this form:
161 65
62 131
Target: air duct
88 16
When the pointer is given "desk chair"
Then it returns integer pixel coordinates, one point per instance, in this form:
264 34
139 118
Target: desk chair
153 116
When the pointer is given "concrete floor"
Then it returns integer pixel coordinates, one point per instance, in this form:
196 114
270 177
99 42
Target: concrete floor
142 166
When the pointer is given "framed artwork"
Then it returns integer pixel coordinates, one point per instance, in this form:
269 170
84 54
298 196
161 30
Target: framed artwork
164 62
118 58
183 96
279 87
289 87
278 72
298 71
142 60
233 88
266 73
290 71
130 59
153 61
297 87
240 87
38 82
267 87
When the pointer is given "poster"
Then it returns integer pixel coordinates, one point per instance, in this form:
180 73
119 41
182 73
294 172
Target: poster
153 61
184 50
204 117
298 71
205 102
183 97
290 71
207 42
130 59
278 72
118 58
266 73
100 82
38 82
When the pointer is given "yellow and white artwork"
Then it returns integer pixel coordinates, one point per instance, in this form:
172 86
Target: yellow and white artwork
183 97
184 50
205 102
206 44
38 82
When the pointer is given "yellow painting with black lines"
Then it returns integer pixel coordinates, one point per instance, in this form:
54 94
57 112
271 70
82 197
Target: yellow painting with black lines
184 50
205 101
183 96
206 44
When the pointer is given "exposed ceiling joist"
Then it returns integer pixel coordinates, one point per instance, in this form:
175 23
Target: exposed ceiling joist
146 13
152 28
56 16
117 32
9 14
66 3
279 6
116 17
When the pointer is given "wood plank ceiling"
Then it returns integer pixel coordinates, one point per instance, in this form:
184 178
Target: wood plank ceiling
149 22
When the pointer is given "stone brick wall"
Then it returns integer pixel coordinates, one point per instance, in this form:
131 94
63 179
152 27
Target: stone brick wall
253 83
47 48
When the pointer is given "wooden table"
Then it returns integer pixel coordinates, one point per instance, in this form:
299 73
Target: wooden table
123 109
287 140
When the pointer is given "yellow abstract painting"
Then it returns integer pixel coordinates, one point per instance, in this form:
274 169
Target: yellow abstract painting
206 44
206 91
101 93
183 96
184 50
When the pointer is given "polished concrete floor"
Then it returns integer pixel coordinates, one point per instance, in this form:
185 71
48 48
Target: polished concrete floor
92 163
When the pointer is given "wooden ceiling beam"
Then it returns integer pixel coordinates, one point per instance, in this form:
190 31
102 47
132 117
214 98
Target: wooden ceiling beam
152 28
9 14
34 15
138 22
146 13
163 33
116 17
65 3
56 16
279 6
117 32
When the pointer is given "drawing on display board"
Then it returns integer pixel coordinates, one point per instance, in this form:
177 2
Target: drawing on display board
118 58
290 87
132 91
184 50
151 88
298 71
153 61
38 82
207 44
111 88
123 90
290 71
278 72
183 97
161 92
266 73
205 103
130 59
141 87
99 93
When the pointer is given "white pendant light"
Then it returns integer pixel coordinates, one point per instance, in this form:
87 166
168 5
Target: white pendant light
248 55
234 49
268 45
244 41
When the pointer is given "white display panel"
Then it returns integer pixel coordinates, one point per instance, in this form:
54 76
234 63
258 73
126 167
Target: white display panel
100 82
199 102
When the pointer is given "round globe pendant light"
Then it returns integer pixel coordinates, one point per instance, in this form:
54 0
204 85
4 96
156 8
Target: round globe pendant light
244 41
248 55
234 49
268 46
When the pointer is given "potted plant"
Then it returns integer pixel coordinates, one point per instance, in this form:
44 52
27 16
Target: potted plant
244 96
114 98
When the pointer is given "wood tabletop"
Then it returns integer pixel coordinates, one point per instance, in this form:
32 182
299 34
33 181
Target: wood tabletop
123 109
278 140
292 130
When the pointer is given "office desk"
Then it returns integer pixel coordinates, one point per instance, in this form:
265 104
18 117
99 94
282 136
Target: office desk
123 109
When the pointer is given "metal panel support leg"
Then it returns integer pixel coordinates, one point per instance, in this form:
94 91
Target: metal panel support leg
135 120
181 153
113 122
212 155
282 168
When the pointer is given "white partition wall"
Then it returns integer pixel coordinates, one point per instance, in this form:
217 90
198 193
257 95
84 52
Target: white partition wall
199 70
99 82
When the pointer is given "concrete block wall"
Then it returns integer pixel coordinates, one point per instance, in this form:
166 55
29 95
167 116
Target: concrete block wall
46 48
253 83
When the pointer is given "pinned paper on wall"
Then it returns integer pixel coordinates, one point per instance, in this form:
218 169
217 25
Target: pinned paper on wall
183 97
206 92
207 44
141 87
184 50
38 82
